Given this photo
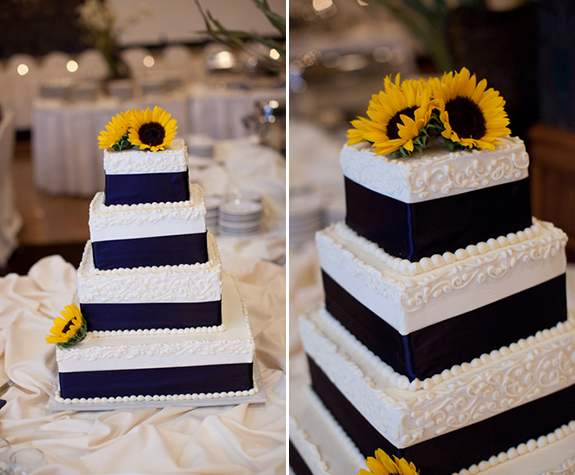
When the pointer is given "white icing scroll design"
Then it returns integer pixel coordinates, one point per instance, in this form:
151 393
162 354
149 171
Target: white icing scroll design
413 293
203 348
436 173
151 288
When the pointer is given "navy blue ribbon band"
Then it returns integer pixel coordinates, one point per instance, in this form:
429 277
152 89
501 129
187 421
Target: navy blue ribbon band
417 230
296 462
454 451
157 381
429 351
152 251
153 315
147 188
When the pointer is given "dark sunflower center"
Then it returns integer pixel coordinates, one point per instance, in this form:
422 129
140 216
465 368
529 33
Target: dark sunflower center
466 118
67 326
392 129
152 133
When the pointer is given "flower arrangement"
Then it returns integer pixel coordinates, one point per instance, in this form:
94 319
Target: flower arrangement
404 116
149 130
382 464
68 329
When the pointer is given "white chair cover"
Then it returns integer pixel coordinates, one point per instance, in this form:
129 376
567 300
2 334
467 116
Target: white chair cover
92 65
53 66
10 219
135 59
176 61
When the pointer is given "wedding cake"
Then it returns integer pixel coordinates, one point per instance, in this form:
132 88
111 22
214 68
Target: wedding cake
155 318
445 339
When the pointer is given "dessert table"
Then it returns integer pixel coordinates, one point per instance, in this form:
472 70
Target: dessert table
235 440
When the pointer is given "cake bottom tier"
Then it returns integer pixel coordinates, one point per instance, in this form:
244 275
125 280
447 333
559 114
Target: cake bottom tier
152 381
319 445
450 452
173 363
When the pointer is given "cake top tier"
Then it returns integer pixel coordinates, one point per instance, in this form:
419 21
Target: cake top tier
456 108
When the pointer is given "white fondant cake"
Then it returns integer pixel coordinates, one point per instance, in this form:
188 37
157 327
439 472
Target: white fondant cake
423 313
169 327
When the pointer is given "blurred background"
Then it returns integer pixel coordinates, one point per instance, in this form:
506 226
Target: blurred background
340 51
68 66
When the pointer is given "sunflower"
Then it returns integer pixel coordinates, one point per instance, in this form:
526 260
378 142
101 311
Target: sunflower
70 329
115 137
152 130
383 465
472 117
398 118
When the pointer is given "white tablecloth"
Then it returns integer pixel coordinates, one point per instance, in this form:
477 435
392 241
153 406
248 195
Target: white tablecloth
10 219
220 114
235 440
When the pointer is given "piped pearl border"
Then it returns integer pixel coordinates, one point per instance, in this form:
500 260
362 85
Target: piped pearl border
155 398
402 381
437 261
530 446
157 331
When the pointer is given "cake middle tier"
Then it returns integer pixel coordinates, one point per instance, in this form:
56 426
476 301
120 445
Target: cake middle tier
423 317
157 297
148 234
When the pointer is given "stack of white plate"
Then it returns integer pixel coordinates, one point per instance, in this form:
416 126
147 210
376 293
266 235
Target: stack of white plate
305 218
212 211
240 218
200 145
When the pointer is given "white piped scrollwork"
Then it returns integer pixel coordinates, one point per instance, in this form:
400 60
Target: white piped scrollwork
438 172
172 159
180 348
531 369
492 261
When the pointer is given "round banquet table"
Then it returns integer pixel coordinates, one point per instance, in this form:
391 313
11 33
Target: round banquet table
235 440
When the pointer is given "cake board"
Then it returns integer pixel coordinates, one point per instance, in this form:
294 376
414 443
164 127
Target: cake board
327 450
259 397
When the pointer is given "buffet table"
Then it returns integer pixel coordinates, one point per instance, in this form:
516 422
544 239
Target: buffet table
235 440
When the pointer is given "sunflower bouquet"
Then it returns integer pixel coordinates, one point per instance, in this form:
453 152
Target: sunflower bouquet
68 329
147 130
383 464
407 114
